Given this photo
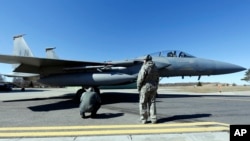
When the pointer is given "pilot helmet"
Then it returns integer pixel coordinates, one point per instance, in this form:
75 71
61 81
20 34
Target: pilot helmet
148 58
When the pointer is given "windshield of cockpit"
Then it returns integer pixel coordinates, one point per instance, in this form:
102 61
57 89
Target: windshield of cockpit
174 53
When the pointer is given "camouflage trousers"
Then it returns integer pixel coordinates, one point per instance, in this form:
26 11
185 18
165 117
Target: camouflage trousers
91 109
147 105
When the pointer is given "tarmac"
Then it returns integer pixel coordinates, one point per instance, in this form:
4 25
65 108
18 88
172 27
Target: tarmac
51 114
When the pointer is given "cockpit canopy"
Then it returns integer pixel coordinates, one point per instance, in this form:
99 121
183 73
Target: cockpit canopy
172 53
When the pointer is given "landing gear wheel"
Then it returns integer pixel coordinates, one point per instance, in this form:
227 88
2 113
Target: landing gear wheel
79 94
97 90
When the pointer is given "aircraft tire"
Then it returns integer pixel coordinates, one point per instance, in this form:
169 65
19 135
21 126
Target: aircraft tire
79 94
97 90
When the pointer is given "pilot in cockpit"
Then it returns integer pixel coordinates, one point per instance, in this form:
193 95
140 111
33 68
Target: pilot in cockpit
182 54
172 54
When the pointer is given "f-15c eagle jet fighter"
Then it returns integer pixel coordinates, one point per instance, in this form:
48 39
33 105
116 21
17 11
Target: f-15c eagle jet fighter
60 72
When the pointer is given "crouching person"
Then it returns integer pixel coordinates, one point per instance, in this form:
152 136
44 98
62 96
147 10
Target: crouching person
90 103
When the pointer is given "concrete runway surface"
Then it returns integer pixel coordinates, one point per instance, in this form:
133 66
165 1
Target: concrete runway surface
51 114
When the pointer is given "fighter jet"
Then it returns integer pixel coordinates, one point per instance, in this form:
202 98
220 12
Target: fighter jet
60 72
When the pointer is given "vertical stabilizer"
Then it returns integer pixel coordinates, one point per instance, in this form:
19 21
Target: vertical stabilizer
50 53
20 47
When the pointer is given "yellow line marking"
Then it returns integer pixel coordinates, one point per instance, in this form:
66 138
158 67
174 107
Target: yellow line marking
112 129
113 132
111 126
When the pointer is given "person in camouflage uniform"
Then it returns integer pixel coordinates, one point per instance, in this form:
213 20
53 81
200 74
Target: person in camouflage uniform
147 85
90 103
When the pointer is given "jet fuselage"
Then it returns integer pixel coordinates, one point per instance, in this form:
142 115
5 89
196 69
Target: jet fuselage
167 66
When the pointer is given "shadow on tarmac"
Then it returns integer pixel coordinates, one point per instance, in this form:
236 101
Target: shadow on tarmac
19 90
110 98
106 115
66 102
70 103
116 97
65 96
182 117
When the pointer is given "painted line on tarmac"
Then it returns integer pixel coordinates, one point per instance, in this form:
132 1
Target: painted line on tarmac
56 131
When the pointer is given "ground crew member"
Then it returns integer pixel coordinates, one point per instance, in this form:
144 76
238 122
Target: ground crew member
147 85
90 103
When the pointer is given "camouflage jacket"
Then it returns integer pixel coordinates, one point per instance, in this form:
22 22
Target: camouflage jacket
148 75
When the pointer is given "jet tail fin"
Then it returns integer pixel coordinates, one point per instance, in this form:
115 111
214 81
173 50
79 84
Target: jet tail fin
21 48
50 53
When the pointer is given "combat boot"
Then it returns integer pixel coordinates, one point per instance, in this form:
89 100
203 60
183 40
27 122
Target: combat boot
153 121
83 115
143 121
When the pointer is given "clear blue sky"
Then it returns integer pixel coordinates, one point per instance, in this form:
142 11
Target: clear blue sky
101 30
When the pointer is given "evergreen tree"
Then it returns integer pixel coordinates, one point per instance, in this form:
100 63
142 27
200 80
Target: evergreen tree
247 76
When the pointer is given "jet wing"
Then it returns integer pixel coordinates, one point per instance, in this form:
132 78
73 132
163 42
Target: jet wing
37 65
48 66
35 61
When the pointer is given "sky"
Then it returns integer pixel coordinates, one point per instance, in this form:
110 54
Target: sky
103 30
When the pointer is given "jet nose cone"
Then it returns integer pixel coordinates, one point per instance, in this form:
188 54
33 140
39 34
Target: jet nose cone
234 68
228 68
240 68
